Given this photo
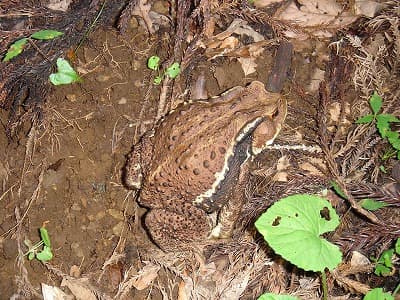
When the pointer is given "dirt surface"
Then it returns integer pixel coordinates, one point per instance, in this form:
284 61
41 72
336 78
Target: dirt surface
66 167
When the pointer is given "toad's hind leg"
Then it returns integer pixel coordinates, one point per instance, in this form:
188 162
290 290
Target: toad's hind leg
231 210
175 228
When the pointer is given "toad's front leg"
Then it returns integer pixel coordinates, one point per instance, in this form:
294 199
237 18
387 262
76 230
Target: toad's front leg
231 210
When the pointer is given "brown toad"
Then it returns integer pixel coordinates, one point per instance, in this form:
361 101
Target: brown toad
194 162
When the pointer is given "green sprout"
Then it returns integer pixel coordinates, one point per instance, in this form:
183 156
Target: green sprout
45 253
153 63
382 123
65 73
18 46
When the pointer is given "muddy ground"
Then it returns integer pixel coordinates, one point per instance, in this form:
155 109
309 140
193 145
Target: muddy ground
67 169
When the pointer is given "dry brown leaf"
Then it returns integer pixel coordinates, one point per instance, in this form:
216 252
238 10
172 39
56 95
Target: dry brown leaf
318 16
146 275
61 5
265 3
248 65
229 43
80 288
316 79
142 9
54 293
367 8
358 259
310 166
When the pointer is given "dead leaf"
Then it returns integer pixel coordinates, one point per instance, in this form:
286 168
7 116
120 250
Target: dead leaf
142 9
61 5
248 65
80 288
54 293
367 8
319 17
75 271
313 166
316 79
265 3
358 259
146 275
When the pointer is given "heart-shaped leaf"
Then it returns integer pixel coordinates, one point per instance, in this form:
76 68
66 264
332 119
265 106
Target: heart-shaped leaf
153 62
173 70
65 73
292 227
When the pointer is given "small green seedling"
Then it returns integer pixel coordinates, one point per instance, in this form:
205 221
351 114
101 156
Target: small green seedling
293 227
367 204
153 63
43 255
372 205
65 73
18 46
382 123
271 296
384 264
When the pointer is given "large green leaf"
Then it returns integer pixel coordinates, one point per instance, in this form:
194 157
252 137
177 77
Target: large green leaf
292 227
65 73
15 49
378 294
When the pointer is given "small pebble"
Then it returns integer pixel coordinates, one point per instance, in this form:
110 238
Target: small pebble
71 97
117 229
77 250
122 101
116 214
103 78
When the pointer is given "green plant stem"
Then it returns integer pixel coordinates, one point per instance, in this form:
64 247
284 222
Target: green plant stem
90 27
396 290
324 286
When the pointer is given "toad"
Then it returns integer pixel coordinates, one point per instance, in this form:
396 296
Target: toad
195 163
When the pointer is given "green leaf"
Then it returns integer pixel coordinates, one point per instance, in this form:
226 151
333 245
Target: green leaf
65 73
372 205
338 190
382 270
173 70
378 294
292 227
376 103
157 80
45 255
45 236
365 119
153 62
271 296
386 258
383 169
15 49
397 246
46 34
31 255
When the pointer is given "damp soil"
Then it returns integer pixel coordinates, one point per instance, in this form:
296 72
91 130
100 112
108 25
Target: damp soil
67 169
